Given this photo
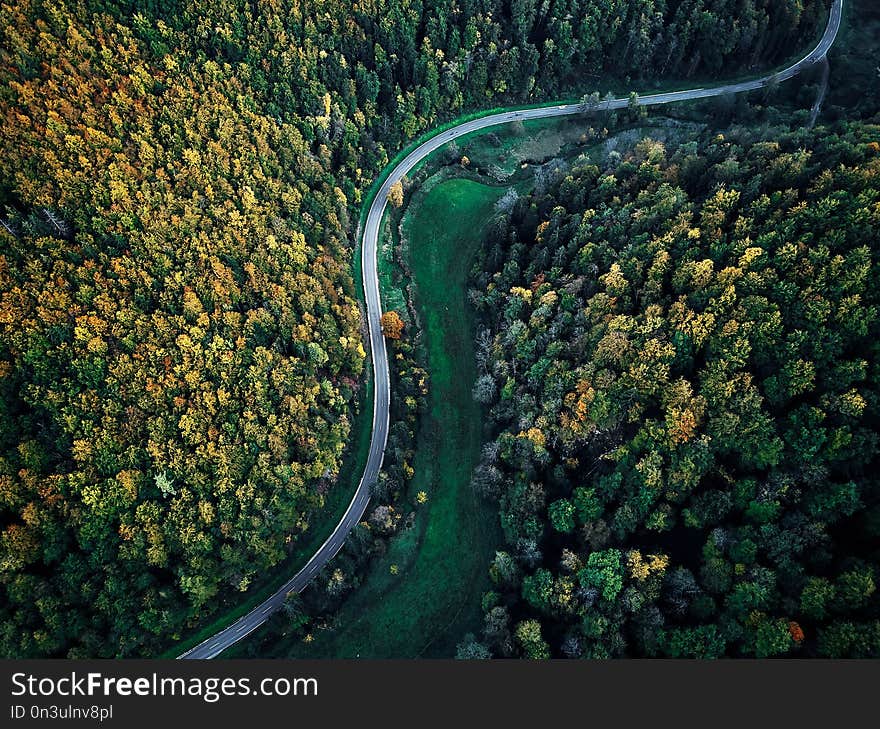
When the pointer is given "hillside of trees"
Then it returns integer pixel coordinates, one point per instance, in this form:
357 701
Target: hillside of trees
681 364
179 335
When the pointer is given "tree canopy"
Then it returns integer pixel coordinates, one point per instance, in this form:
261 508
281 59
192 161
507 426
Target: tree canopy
682 361
179 336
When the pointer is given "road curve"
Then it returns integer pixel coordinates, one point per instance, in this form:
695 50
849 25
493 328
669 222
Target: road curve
248 623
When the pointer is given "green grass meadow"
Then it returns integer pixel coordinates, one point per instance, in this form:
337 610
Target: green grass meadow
440 561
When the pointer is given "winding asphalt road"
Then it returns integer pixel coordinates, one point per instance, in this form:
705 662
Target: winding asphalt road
248 623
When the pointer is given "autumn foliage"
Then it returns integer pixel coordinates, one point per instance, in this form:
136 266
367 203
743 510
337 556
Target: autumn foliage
179 341
395 194
392 324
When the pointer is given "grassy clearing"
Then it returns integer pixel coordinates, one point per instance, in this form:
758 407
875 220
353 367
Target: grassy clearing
440 561
391 283
499 152
510 155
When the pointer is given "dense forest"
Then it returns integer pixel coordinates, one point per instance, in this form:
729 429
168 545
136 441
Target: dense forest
680 359
180 341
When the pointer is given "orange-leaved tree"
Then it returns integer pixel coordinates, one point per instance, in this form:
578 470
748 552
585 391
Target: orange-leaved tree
395 194
392 324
